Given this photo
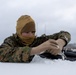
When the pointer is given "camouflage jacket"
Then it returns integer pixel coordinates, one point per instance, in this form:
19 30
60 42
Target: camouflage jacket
13 50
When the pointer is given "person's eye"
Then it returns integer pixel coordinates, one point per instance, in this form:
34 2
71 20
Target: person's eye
27 32
33 31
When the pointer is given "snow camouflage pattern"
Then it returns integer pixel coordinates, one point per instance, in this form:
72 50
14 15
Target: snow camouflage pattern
13 50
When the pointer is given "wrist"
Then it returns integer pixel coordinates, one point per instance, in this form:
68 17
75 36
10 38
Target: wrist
36 50
61 42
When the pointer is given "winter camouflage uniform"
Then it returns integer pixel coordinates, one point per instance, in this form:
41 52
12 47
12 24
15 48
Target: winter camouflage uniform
13 50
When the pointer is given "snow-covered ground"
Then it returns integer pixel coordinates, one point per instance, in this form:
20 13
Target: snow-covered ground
39 66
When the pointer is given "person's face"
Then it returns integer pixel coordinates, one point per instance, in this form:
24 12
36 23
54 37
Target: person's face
28 34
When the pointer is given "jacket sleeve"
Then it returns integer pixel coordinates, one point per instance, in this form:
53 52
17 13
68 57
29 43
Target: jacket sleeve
10 53
60 35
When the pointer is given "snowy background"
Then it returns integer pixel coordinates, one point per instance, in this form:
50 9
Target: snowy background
39 66
50 16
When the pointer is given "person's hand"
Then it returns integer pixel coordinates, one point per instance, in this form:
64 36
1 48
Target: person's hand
55 51
60 44
48 45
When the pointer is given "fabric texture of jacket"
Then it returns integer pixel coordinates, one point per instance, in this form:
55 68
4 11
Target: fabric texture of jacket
13 50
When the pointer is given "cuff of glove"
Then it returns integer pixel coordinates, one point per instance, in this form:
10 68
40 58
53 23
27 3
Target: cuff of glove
65 39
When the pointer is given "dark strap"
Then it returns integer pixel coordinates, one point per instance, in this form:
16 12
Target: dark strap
50 56
70 55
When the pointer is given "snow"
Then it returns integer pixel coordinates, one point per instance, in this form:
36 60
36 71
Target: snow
39 66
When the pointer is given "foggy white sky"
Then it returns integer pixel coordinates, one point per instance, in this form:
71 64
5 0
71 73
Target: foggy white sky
50 16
